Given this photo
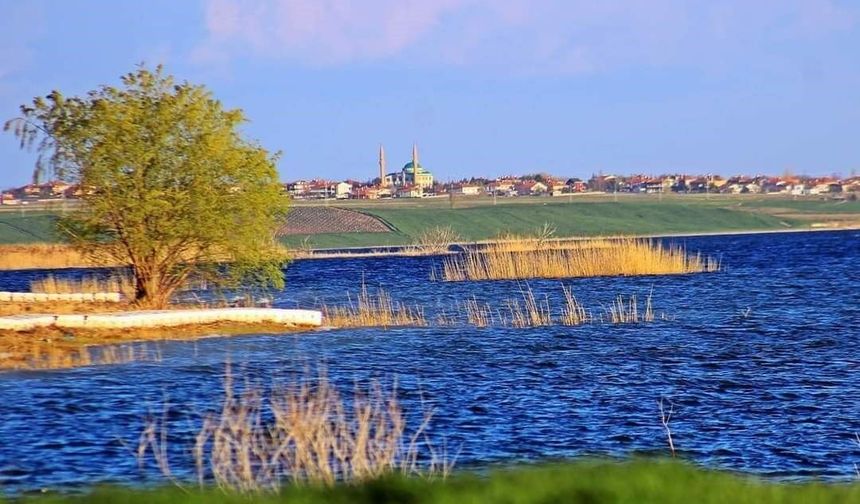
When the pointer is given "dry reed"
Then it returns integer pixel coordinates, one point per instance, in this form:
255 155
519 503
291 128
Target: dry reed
478 314
541 238
434 241
51 284
574 312
373 311
627 312
42 256
588 258
304 432
532 313
444 319
531 310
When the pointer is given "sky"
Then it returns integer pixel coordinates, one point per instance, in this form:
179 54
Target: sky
484 87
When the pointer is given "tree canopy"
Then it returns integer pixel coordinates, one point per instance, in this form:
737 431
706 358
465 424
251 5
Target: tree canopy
168 184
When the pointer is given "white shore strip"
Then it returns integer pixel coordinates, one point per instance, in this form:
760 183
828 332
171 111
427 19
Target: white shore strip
163 318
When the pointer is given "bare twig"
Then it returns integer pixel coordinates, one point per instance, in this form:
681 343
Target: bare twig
665 418
856 467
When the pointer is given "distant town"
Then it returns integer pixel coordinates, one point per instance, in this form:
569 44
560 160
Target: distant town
415 181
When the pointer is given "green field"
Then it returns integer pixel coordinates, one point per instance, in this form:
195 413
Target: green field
478 218
632 482
631 215
29 227
573 219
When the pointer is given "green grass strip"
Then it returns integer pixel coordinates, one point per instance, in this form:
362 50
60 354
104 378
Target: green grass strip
654 481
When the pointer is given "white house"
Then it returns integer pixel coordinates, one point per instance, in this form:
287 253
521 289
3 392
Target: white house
466 190
798 190
342 190
826 188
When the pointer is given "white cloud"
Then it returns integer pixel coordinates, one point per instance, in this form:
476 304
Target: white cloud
545 36
321 31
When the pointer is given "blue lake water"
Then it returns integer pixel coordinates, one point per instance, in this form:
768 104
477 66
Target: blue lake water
761 361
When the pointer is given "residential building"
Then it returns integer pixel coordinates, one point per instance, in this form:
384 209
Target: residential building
342 190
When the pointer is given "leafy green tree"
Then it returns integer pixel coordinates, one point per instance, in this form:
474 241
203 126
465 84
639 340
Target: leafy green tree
168 184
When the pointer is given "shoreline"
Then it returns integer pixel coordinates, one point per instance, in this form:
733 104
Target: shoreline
136 319
51 249
409 250
65 341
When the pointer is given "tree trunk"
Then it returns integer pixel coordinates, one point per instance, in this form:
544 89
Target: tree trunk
150 291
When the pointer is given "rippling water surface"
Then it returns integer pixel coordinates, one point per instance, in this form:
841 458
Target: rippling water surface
761 360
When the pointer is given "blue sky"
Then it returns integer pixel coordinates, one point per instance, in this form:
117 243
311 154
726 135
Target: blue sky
486 87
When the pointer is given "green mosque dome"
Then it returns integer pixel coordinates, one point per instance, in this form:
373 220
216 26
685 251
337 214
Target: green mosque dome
410 167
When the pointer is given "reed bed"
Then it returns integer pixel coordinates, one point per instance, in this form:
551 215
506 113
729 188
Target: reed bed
42 256
51 284
532 310
588 258
373 310
303 432
528 309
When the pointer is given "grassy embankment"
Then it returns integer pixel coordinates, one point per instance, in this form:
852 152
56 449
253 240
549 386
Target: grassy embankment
19 227
641 481
479 219
475 219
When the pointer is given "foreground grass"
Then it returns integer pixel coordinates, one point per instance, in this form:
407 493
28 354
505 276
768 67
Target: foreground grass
631 482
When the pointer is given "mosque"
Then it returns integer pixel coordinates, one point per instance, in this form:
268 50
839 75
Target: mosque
412 174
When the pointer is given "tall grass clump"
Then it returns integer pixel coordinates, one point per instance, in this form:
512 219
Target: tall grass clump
531 258
434 241
573 313
532 312
622 311
302 432
541 238
373 310
478 314
51 284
